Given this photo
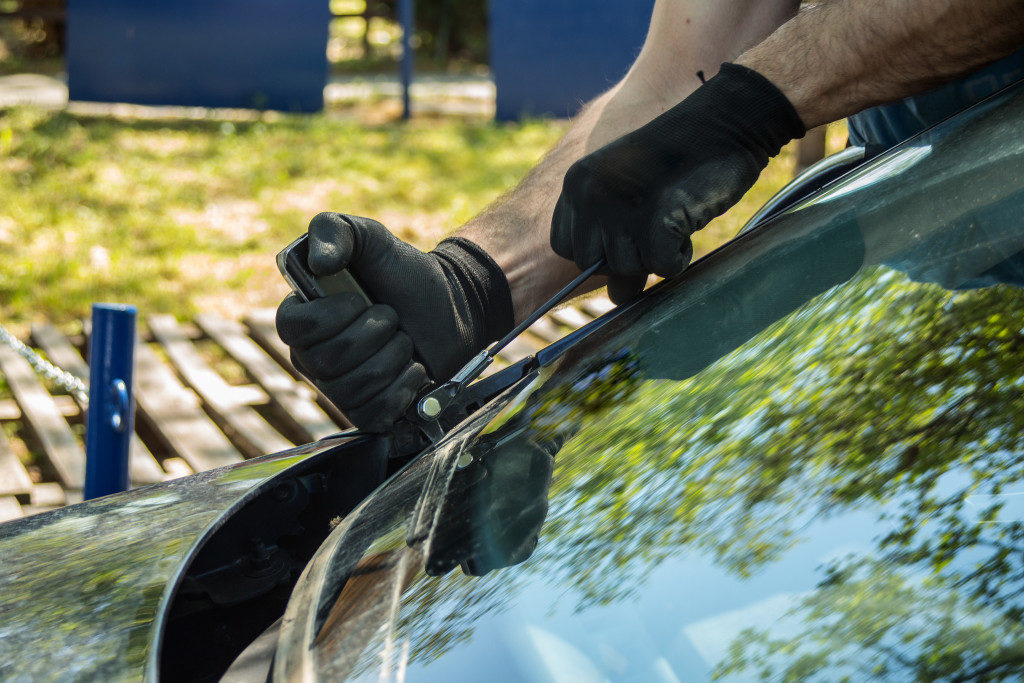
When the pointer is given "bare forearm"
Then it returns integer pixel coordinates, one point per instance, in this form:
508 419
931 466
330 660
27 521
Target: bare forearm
686 36
514 231
842 56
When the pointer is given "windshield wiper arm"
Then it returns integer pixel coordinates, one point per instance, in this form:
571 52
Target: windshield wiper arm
430 406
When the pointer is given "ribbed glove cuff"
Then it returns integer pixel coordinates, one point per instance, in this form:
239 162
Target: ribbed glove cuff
484 284
773 119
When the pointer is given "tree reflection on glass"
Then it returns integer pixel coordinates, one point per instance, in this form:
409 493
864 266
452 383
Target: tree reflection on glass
788 381
864 398
886 396
871 621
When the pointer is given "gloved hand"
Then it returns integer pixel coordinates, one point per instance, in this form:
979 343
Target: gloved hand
433 309
637 200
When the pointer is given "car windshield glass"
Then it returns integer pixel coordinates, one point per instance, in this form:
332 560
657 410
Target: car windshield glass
802 459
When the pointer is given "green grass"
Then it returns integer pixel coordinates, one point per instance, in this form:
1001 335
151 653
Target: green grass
186 216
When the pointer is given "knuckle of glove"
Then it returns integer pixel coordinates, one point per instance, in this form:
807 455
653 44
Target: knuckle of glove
322 361
403 346
289 320
623 252
588 249
331 241
374 374
379 413
303 324
584 187
390 360
383 318
669 250
576 177
561 236
368 350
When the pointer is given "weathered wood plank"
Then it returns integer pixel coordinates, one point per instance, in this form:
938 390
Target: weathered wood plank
48 494
251 432
547 331
596 305
176 416
518 349
176 468
60 350
14 479
570 317
142 466
42 417
10 509
10 412
263 330
293 399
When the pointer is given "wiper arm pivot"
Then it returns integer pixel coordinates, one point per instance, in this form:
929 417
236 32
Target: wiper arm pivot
433 403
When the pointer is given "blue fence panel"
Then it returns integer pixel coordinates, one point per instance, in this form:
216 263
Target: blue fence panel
213 53
551 56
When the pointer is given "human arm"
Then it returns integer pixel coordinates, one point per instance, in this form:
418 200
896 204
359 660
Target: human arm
839 57
686 36
363 359
644 194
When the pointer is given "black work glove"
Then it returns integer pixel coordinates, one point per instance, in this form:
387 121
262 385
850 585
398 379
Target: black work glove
433 309
637 200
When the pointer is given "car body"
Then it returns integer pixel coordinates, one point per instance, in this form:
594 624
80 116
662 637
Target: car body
800 459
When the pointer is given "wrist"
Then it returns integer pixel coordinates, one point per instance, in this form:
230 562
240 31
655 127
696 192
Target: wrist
484 287
798 88
771 117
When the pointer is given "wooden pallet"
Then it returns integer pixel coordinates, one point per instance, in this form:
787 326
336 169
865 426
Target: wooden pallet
207 394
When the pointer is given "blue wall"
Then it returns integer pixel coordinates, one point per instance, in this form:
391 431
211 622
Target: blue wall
551 56
214 53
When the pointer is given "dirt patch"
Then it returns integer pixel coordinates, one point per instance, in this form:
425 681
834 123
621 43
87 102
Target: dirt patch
308 197
8 231
421 229
162 144
111 175
15 165
233 220
233 286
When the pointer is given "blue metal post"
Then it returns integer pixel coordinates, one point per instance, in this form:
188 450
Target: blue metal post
111 416
406 16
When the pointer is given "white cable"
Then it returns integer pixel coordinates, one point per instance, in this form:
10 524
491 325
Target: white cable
44 368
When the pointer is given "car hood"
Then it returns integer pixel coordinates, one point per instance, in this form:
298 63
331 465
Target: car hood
84 589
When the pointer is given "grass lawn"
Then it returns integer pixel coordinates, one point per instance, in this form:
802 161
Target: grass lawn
185 216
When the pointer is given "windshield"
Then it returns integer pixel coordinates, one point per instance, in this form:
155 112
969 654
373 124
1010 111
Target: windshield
802 459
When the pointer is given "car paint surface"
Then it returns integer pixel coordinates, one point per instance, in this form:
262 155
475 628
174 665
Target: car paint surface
83 589
803 459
